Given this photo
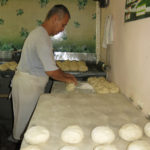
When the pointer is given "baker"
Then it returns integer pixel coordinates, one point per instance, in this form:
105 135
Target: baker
36 65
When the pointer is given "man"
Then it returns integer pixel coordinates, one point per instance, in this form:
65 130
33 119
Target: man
35 66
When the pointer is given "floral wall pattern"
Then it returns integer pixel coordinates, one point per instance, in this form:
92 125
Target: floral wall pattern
19 17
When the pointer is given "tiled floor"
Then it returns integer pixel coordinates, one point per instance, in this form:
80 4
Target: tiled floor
4 143
6 119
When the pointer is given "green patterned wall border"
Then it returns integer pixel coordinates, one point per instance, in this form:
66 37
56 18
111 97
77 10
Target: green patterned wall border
69 42
1 21
19 12
82 4
3 2
43 3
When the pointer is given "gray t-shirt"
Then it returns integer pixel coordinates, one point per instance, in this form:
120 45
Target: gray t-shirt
37 54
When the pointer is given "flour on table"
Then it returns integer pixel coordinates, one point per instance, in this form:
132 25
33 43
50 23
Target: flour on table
106 147
69 148
36 135
130 132
72 134
31 147
84 86
103 135
139 145
147 129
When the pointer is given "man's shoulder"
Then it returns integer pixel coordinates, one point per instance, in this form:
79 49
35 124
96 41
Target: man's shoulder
37 33
37 30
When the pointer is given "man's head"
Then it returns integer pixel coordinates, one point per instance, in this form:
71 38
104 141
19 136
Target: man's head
56 19
60 10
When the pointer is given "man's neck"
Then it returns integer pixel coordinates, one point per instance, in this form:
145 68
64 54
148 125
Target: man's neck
47 28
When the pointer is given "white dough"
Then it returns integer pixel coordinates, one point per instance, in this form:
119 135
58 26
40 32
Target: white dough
102 86
147 129
70 87
106 147
3 67
102 90
103 135
68 65
72 134
139 145
69 148
9 65
130 132
36 135
31 147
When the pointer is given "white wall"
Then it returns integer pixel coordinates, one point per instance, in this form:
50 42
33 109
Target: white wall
130 55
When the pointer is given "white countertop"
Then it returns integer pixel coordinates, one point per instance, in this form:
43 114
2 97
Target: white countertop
87 109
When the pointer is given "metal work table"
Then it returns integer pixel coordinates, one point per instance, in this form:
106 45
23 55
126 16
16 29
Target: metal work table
87 109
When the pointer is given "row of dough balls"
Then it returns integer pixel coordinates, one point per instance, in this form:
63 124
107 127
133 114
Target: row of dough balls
70 147
8 66
102 86
99 84
72 65
136 145
104 136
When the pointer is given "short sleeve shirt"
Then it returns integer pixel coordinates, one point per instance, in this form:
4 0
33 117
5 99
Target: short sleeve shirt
37 54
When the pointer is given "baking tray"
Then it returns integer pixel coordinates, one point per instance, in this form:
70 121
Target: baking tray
93 70
7 74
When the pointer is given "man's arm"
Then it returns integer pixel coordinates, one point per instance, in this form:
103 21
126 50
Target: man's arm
62 76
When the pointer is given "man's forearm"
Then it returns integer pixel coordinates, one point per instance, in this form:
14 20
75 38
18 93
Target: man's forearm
61 76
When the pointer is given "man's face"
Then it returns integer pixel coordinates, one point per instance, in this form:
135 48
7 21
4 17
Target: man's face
59 24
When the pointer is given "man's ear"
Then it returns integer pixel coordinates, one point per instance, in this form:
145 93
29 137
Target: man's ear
55 17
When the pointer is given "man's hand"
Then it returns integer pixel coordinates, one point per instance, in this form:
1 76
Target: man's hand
62 76
71 78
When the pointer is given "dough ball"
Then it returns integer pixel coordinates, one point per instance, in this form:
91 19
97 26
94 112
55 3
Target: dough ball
58 63
36 135
103 135
130 132
9 65
72 134
106 147
114 90
12 65
31 147
69 148
4 67
102 90
73 66
68 65
70 87
102 86
139 145
65 68
83 68
147 129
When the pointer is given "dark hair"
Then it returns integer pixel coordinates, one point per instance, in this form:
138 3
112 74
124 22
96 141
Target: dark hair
59 9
